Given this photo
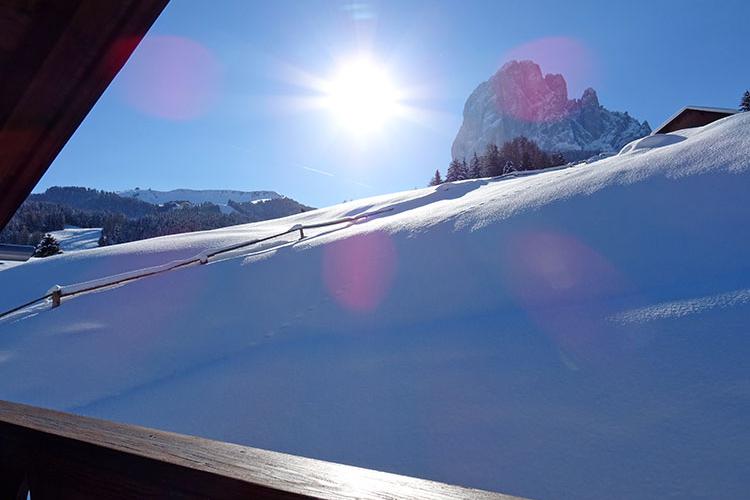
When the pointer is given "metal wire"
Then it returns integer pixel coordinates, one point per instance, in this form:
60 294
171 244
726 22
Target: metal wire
198 259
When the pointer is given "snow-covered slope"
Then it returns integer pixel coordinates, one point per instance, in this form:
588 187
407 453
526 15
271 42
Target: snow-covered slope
520 101
576 333
71 239
219 197
74 238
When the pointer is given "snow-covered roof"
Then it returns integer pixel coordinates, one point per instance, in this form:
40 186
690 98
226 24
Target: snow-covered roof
725 111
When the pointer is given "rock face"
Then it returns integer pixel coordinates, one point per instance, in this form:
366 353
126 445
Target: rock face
519 101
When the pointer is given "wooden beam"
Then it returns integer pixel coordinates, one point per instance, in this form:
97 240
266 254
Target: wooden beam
56 59
68 456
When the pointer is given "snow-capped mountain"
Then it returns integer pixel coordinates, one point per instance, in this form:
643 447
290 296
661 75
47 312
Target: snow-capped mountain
519 101
575 333
220 197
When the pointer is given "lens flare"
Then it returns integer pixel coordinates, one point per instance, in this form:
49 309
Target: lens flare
563 285
171 77
560 55
358 271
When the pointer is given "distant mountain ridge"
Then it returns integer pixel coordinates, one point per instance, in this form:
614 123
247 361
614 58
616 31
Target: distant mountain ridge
520 101
220 197
88 199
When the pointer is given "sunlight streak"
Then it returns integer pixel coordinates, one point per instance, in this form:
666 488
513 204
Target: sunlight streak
361 96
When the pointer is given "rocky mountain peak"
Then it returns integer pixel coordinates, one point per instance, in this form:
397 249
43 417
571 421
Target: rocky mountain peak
522 91
589 98
519 100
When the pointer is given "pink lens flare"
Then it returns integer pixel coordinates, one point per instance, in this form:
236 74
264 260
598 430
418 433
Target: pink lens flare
171 77
562 55
557 267
540 92
358 271
562 285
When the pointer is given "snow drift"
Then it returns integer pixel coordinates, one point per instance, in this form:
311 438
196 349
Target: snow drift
576 333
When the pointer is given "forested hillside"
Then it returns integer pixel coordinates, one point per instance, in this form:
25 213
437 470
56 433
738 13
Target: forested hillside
125 219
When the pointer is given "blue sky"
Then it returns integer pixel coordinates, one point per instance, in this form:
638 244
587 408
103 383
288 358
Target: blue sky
245 122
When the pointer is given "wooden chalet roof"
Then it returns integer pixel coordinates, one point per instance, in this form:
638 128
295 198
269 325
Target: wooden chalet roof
692 116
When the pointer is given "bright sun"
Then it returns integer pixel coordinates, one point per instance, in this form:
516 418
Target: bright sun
362 97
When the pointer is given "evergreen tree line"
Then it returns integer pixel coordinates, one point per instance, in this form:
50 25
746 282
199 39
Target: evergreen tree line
178 220
516 155
268 209
95 200
34 219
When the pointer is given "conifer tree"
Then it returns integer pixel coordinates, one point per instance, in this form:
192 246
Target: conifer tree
745 104
452 173
47 247
436 179
525 154
475 168
457 171
526 163
557 159
509 167
492 162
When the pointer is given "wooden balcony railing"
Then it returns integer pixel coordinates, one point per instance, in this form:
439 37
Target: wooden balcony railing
60 456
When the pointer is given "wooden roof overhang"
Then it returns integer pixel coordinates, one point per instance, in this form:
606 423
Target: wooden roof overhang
56 59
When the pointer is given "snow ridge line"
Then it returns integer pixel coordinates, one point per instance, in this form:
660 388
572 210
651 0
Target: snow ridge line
57 292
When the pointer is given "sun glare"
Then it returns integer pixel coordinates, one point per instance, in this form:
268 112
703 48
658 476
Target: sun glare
362 97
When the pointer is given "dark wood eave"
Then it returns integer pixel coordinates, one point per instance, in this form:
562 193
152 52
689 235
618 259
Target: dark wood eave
56 59
692 116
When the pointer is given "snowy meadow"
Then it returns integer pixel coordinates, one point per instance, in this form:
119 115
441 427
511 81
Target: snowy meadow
578 333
